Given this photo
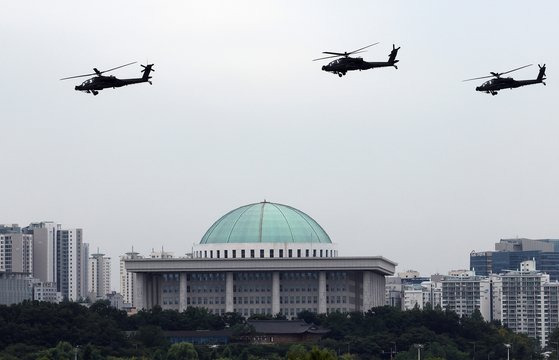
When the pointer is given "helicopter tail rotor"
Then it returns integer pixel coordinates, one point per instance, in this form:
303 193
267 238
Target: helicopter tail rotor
393 54
541 74
147 69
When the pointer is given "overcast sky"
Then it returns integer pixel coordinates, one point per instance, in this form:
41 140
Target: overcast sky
412 164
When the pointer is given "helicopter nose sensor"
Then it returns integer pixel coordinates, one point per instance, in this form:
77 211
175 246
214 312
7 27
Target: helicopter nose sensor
323 67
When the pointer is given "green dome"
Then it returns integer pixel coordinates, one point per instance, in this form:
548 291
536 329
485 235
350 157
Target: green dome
265 222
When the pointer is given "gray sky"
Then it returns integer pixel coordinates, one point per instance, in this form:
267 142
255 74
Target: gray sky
411 164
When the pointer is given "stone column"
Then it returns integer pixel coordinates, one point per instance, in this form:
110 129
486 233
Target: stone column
368 299
275 293
182 291
139 291
322 292
153 290
229 292
147 291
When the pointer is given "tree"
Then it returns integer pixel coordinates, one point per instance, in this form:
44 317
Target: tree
182 351
151 336
297 352
321 354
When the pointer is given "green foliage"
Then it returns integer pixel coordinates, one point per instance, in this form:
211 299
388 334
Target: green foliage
182 351
297 352
321 354
36 330
151 336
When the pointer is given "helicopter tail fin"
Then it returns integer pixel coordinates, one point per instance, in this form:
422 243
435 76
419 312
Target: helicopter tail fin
393 53
147 70
541 74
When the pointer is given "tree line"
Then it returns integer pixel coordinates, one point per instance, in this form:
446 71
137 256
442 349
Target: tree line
41 330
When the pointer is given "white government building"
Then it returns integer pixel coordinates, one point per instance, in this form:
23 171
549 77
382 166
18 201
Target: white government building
262 258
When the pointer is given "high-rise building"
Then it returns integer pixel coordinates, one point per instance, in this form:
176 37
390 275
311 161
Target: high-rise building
528 301
70 275
99 276
84 268
466 293
16 250
127 279
509 253
44 249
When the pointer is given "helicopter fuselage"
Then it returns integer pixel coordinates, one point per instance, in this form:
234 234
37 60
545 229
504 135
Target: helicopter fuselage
494 85
104 82
343 65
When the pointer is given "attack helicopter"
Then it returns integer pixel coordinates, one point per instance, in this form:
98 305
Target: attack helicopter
498 83
101 81
347 63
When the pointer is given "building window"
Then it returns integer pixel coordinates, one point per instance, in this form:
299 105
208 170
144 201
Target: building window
211 254
225 254
261 253
205 253
290 252
320 253
271 253
281 253
298 253
314 253
252 253
217 254
234 254
243 254
307 253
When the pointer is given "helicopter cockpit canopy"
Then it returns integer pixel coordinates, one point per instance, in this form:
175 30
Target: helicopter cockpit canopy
87 82
488 83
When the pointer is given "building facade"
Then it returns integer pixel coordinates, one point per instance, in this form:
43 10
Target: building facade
15 288
262 258
46 291
510 253
71 275
16 250
127 278
466 293
44 249
99 276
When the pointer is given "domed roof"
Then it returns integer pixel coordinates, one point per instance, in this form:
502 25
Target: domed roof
265 222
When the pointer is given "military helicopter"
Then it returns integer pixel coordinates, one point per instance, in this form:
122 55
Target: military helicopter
101 82
347 63
498 83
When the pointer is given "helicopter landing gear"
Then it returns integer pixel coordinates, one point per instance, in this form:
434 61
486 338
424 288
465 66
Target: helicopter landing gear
340 74
494 93
94 92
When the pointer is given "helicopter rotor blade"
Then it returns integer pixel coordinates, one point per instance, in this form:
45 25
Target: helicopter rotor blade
118 67
97 72
477 78
368 46
78 76
328 57
334 53
522 67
